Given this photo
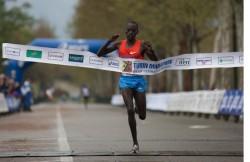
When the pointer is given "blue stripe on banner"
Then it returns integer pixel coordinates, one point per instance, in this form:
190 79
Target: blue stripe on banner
232 103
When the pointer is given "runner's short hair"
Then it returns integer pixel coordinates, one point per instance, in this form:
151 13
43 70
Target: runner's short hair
133 22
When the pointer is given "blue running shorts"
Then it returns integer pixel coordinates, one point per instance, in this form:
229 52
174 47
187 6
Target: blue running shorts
136 82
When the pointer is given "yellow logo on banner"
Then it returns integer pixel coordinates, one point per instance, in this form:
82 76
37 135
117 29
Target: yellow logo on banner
126 66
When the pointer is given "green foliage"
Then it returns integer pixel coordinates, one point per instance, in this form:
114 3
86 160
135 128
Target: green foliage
15 25
42 29
162 21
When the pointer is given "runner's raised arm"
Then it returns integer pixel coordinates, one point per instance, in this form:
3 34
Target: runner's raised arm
108 47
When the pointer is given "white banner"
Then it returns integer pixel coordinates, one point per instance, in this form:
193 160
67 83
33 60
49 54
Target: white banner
3 104
196 101
130 66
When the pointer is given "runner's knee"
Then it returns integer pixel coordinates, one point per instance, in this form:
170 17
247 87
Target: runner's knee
130 111
142 117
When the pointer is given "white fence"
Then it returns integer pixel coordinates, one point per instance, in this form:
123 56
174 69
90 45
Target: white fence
3 104
196 101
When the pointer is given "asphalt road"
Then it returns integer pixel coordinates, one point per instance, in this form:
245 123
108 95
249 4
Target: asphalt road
66 132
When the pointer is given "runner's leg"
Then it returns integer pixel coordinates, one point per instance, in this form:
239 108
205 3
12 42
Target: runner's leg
127 95
140 102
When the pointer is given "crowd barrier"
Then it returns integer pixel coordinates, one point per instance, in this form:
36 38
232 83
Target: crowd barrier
228 102
232 103
13 103
3 104
9 103
224 102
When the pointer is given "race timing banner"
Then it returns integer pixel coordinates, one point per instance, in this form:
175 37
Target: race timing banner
130 66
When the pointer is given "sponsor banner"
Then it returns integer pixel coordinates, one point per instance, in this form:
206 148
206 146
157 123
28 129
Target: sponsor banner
182 62
12 51
126 66
116 64
232 103
139 67
241 60
55 56
151 67
203 61
225 60
95 60
76 58
113 63
34 53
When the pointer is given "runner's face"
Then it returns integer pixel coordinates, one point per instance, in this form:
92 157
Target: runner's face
131 31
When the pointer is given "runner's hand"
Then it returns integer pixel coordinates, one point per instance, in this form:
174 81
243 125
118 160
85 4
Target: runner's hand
147 46
114 38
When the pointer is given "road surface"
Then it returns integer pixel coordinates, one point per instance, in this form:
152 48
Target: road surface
66 132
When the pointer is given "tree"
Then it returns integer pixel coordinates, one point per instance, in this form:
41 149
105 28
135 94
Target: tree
42 29
229 38
15 25
173 26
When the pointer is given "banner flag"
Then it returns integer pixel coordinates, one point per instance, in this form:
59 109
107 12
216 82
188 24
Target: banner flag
116 64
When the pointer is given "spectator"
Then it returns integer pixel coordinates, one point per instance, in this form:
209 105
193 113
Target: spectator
12 95
27 98
85 94
50 93
3 84
12 92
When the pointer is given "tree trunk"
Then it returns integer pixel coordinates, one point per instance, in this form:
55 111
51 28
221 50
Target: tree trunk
223 43
238 38
196 77
180 80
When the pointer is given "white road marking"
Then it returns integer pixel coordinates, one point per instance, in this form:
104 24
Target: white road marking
199 126
62 136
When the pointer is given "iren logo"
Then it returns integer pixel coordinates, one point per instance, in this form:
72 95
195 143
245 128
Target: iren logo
34 54
182 62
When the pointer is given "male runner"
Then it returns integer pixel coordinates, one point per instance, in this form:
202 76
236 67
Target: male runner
131 86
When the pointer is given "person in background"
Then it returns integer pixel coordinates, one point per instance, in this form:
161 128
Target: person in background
85 95
50 93
3 84
27 97
12 95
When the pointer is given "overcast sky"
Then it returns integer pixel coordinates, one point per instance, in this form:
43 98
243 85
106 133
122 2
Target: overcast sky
57 12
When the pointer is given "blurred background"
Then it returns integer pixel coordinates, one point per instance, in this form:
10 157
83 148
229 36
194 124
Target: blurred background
173 27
